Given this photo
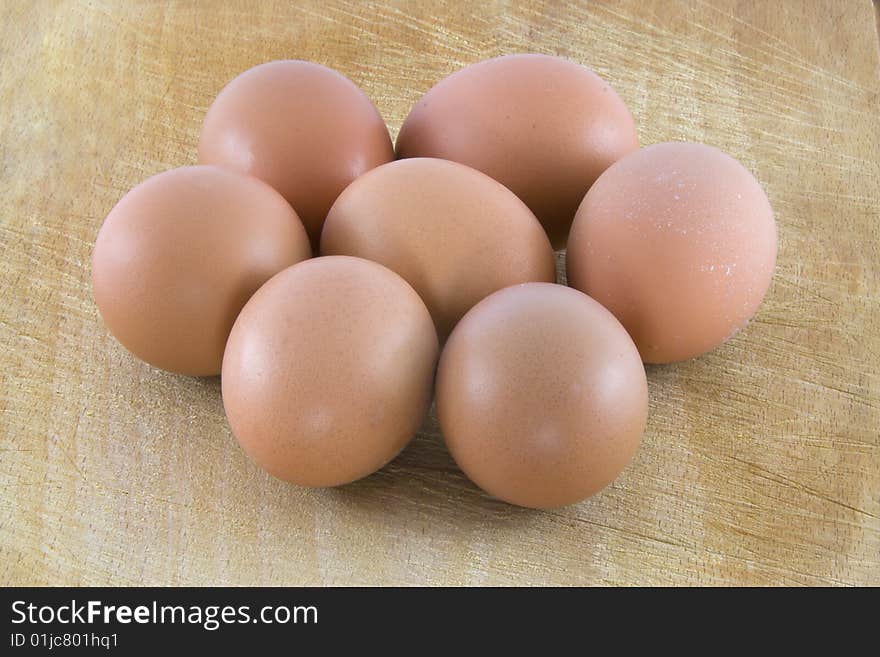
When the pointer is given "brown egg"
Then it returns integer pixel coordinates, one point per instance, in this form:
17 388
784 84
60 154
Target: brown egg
329 369
678 241
543 126
541 395
452 232
179 256
305 129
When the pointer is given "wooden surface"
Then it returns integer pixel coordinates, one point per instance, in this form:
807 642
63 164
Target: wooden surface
761 462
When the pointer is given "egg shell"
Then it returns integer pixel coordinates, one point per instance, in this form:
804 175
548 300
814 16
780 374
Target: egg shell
181 253
543 126
329 371
453 233
678 240
305 129
541 395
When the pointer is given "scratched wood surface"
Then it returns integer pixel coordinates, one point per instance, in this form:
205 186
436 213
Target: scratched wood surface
761 461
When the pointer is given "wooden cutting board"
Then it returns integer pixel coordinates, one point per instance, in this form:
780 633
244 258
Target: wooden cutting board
761 461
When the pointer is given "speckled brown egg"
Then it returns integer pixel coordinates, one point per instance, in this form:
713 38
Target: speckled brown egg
543 126
455 234
678 241
305 129
328 372
181 253
541 395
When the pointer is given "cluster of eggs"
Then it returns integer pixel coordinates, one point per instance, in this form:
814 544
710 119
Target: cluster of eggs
437 273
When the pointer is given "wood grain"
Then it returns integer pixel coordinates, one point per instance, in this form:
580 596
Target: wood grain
761 462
